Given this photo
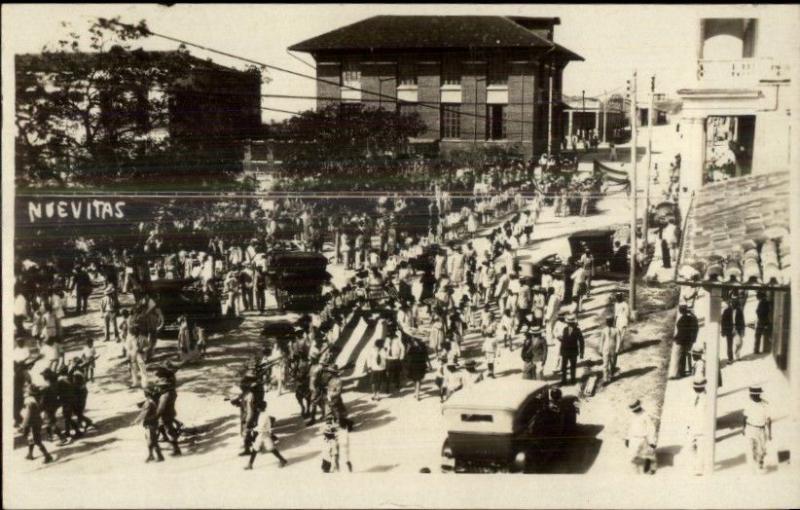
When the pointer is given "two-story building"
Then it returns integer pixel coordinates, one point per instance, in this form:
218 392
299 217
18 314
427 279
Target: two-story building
474 80
736 115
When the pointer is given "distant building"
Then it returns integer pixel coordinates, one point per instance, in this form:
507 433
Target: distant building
736 115
586 117
211 108
474 80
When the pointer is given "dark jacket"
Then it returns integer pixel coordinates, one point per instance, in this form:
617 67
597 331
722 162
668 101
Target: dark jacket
763 311
687 329
732 320
572 341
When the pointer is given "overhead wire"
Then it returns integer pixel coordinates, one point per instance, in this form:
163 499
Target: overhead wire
273 67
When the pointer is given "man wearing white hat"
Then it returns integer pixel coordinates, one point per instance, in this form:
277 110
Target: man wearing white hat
696 428
757 429
641 440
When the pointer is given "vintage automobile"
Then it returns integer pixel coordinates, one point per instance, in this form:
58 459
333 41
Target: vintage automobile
298 278
608 264
176 297
505 425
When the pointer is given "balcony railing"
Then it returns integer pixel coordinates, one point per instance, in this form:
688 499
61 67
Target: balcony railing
740 72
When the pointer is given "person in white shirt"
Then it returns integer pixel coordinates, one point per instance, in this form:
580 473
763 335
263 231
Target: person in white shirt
20 311
395 354
609 338
696 428
757 429
453 380
505 330
641 440
551 314
670 235
375 365
621 319
490 352
579 284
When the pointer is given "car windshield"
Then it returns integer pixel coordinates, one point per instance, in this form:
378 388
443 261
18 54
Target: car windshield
477 417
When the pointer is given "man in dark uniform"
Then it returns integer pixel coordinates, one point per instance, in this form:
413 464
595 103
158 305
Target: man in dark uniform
685 334
50 403
67 397
149 418
165 412
32 423
571 348
732 328
763 322
77 379
82 285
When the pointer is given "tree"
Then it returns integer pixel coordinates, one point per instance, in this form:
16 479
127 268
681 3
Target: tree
339 141
95 110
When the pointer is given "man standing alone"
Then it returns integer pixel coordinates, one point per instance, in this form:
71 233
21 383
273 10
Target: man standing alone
685 334
571 349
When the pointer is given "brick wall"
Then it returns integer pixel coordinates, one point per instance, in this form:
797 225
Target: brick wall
379 84
473 102
428 81
330 73
521 88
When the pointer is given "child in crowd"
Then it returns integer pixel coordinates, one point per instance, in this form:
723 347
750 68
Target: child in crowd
123 326
88 357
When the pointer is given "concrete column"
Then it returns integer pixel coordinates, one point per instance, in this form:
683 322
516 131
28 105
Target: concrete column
712 368
597 122
693 152
605 122
569 125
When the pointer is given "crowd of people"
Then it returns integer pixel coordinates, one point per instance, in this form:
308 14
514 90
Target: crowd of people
430 288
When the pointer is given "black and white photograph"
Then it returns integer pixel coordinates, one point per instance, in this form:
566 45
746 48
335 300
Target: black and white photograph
400 256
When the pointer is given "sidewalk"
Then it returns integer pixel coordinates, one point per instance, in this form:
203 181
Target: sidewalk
674 452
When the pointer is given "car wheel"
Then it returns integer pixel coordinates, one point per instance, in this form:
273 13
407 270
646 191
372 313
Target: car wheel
449 462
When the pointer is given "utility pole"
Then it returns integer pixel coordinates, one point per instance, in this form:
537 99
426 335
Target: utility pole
634 204
605 115
583 107
550 113
650 118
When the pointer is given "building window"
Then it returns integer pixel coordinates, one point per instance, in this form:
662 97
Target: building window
498 72
451 72
496 122
450 120
407 74
351 74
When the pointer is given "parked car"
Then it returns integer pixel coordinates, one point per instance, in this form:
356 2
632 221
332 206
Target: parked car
506 425
176 297
298 278
608 263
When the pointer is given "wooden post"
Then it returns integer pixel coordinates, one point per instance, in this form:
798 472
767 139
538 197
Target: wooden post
634 203
712 369
550 113
650 119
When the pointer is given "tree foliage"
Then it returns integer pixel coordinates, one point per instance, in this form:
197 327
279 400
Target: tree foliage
95 109
341 141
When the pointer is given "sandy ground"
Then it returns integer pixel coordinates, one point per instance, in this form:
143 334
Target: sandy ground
396 434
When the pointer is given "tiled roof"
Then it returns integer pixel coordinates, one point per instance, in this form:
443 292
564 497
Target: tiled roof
741 227
430 32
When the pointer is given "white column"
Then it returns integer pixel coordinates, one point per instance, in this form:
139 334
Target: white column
693 149
605 122
569 125
597 122
712 368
